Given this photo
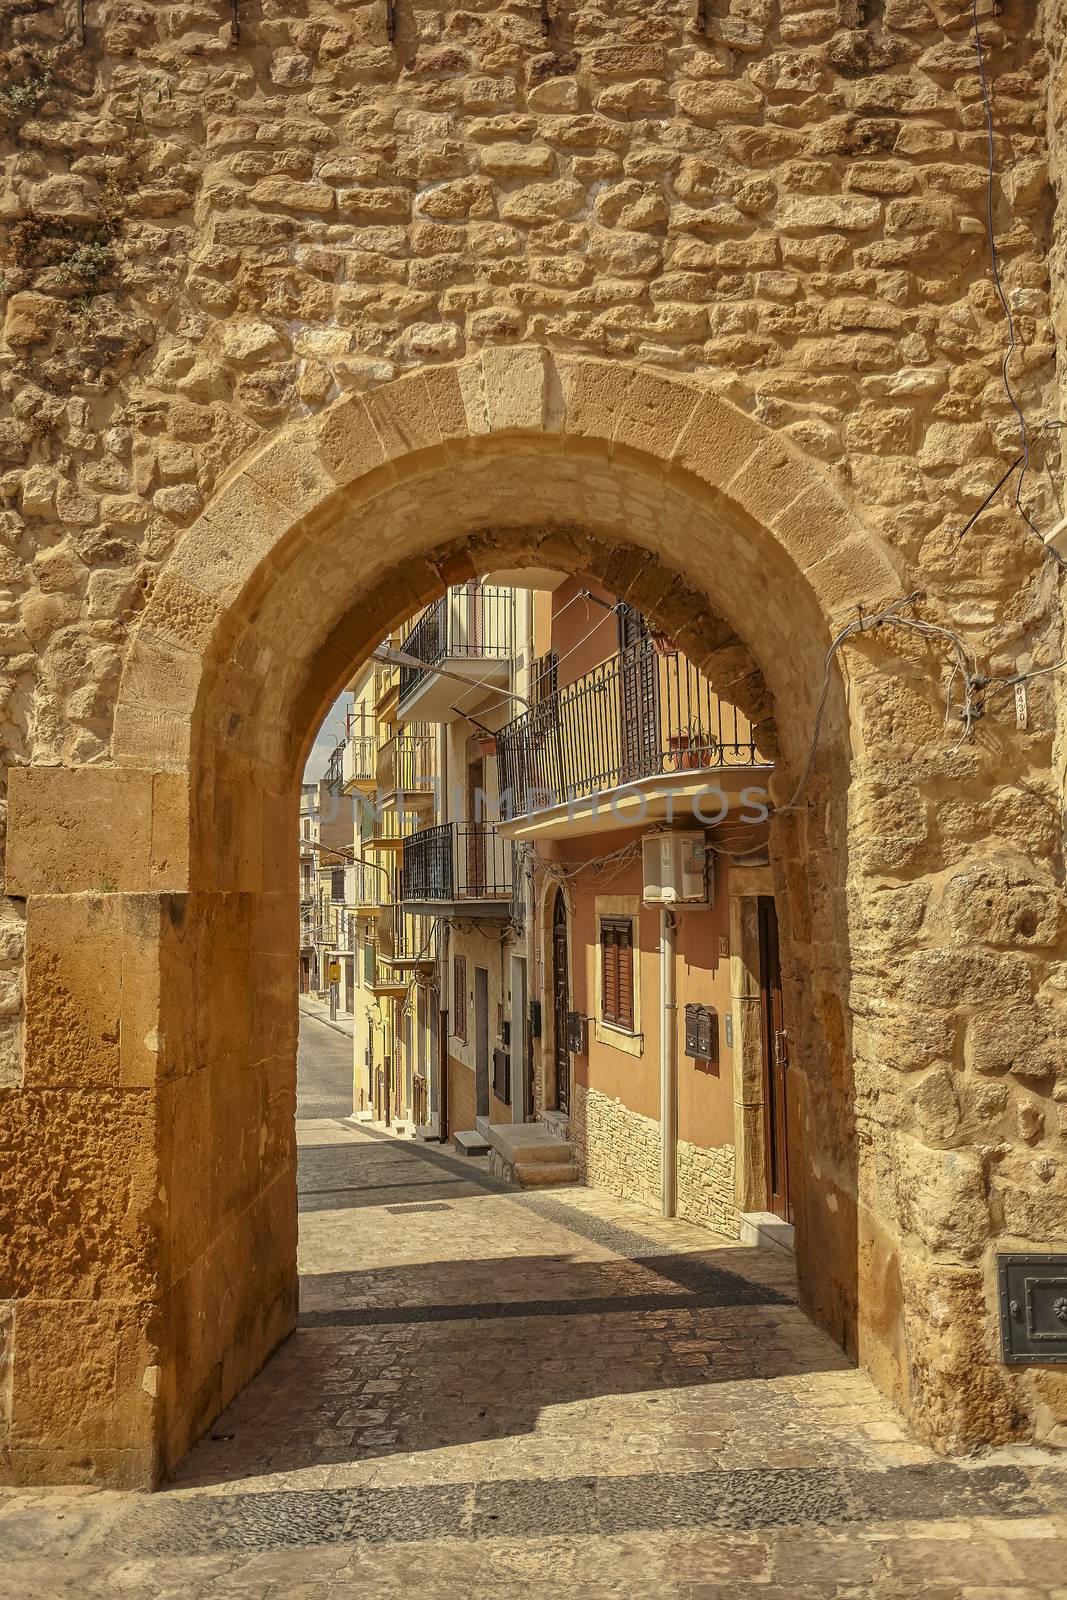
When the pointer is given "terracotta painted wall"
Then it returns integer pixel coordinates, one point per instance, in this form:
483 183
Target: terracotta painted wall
582 627
702 976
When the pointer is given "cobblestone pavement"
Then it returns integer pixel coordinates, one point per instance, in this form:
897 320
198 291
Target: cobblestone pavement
491 1390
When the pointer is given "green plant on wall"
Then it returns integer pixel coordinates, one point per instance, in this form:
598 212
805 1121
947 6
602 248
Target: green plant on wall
20 98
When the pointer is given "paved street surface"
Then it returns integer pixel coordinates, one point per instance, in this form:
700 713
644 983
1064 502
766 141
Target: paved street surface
491 1391
323 1066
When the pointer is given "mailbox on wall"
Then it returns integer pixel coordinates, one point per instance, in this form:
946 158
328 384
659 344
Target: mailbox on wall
502 1075
702 1033
577 1033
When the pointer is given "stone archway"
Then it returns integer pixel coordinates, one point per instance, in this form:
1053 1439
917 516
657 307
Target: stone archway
160 1031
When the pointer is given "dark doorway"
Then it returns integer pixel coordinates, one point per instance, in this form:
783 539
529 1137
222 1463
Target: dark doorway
560 985
775 1061
481 1041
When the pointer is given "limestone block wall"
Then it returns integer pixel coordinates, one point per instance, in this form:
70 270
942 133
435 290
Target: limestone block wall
618 1150
210 235
248 273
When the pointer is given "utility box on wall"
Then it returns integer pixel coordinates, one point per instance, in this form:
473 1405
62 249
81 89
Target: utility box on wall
677 870
1033 1309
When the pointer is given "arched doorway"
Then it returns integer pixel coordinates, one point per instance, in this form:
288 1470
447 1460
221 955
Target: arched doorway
560 992
175 1273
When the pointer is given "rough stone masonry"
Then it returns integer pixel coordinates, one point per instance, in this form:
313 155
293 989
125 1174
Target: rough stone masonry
268 268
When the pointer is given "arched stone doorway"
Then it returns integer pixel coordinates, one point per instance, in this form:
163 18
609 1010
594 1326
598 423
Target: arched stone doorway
142 1308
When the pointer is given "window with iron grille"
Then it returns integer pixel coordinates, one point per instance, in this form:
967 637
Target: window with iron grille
617 972
459 997
545 676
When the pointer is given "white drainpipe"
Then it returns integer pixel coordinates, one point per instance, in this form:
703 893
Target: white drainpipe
668 1066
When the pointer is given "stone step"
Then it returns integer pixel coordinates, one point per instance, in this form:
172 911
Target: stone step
470 1143
527 1142
766 1231
540 1174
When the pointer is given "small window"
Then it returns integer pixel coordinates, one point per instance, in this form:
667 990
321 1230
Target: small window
545 677
617 972
459 997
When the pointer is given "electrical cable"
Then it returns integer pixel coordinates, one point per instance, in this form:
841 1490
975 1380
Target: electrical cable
978 688
484 682
611 612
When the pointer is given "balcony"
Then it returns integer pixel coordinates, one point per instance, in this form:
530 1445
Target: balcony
334 769
641 738
407 769
458 869
359 765
380 977
469 633
386 680
407 939
369 889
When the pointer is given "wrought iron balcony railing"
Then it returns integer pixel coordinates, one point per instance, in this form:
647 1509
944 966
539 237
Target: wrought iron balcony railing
367 885
477 620
384 681
407 763
457 861
335 767
643 713
359 764
407 938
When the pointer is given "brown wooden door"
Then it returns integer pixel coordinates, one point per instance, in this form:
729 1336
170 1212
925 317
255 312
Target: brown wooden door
638 700
559 1002
775 1062
476 864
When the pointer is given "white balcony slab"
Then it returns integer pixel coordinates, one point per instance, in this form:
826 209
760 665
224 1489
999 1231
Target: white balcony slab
701 798
433 697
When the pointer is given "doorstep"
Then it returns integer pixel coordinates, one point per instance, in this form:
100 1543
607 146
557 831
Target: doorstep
766 1231
470 1143
558 1123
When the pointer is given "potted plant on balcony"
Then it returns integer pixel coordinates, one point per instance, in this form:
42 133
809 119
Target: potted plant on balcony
693 749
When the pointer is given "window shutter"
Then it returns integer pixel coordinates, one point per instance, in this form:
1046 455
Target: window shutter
626 976
617 971
459 997
609 972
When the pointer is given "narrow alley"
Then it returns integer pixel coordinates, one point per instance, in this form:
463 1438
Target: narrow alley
489 1389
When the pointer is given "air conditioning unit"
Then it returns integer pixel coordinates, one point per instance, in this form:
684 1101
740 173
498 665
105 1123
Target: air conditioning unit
677 870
